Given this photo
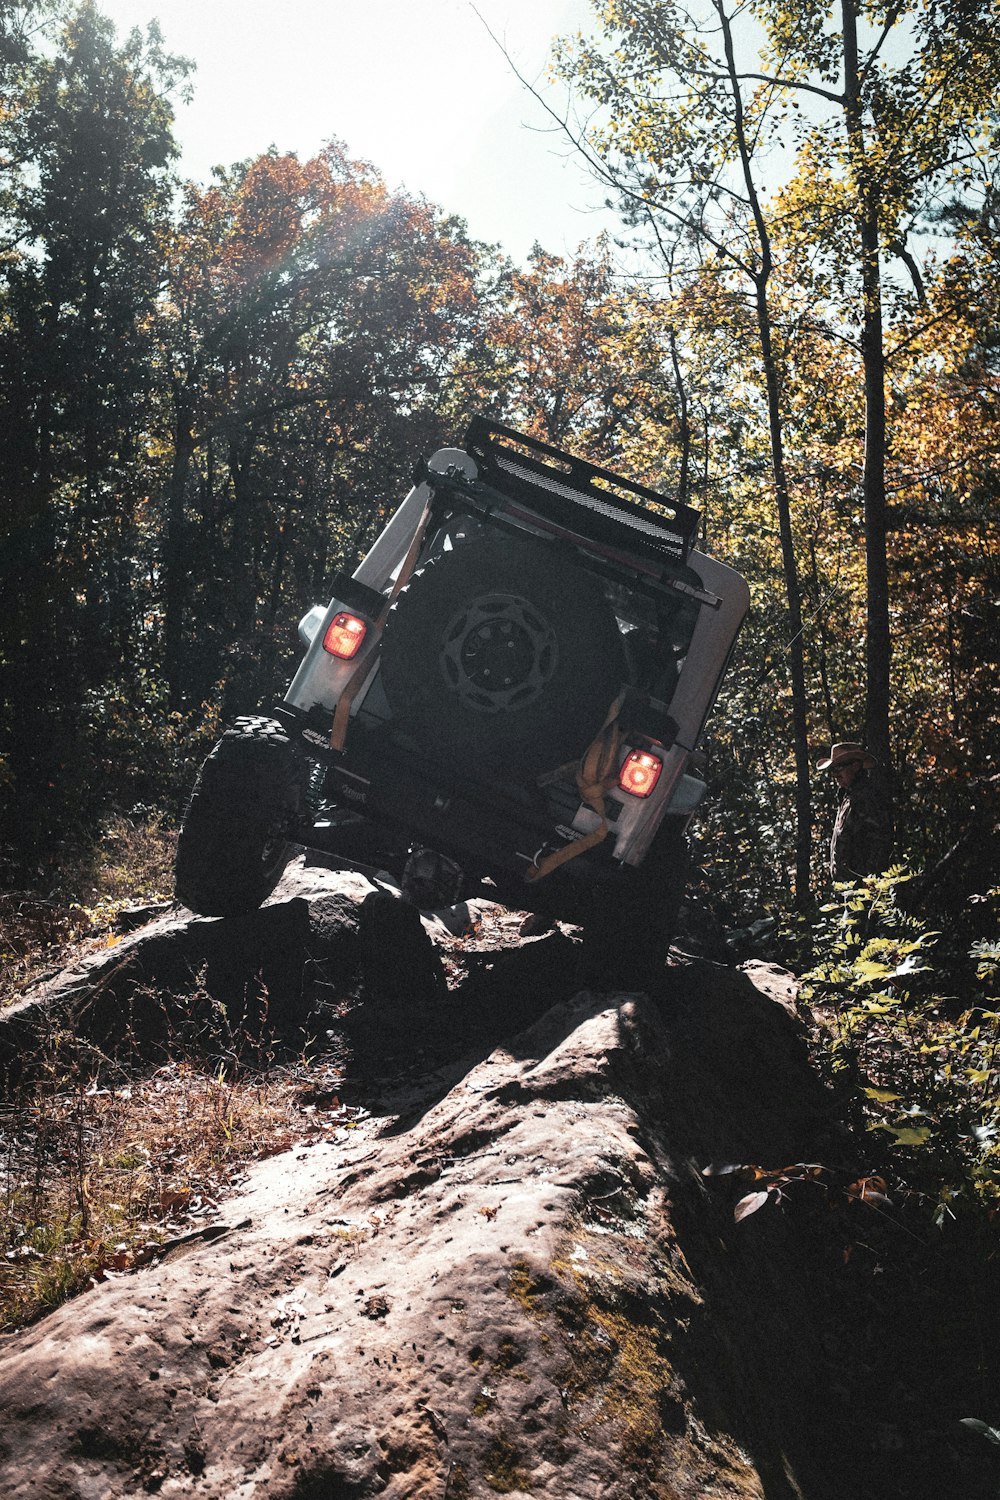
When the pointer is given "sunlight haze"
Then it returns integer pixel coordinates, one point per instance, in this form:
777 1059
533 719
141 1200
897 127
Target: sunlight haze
418 89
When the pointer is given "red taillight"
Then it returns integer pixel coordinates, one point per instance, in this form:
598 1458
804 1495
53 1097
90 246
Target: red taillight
640 773
344 635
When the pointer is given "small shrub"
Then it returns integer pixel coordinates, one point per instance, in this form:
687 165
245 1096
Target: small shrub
911 1044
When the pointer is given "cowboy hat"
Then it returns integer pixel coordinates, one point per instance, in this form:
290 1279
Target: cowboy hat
847 754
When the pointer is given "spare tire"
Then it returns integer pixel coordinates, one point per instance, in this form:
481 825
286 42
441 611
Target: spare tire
502 655
629 920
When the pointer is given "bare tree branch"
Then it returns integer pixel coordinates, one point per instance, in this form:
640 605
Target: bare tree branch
898 248
890 21
604 172
793 83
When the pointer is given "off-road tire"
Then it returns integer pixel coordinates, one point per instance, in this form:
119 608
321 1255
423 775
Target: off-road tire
631 919
234 839
502 655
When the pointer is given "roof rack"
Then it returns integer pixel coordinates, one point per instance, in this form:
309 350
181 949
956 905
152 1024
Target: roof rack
505 456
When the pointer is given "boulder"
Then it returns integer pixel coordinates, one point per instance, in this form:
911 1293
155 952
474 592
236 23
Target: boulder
523 1287
183 976
518 1269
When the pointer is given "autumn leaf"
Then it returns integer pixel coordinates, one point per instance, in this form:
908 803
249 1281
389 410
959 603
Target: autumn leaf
749 1205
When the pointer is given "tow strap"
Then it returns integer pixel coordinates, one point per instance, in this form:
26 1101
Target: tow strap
338 733
596 774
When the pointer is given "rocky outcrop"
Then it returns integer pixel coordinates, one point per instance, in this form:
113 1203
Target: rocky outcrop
513 1278
190 974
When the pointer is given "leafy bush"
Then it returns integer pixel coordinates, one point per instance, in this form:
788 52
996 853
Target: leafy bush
910 1039
144 753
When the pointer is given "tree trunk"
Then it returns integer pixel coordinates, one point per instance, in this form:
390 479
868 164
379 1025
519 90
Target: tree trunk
174 553
822 658
796 657
877 646
242 678
683 424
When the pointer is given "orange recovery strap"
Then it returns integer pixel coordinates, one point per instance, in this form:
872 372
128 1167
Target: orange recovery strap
341 717
596 774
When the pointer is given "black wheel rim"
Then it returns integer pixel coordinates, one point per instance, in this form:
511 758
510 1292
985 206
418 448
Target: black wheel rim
499 652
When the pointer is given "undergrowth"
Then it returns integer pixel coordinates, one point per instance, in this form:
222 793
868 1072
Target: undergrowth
908 1034
904 1026
130 865
96 1175
103 1160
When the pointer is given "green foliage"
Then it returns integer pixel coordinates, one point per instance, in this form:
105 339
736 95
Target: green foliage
139 745
911 1045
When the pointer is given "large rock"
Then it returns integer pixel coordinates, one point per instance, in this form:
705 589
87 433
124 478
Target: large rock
523 1288
182 977
515 1277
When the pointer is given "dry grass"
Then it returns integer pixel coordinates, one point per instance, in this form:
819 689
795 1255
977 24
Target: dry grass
94 1179
101 1163
131 865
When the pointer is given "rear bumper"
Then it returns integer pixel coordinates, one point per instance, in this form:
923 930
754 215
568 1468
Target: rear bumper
488 829
380 793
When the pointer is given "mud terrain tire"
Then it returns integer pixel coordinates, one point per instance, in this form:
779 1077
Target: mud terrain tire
233 843
631 921
502 655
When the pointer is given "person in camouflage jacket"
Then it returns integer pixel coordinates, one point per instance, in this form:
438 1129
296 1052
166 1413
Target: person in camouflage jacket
861 843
